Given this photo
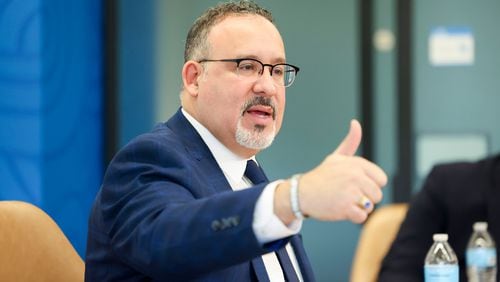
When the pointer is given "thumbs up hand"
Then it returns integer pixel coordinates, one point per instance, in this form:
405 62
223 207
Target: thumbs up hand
335 189
351 142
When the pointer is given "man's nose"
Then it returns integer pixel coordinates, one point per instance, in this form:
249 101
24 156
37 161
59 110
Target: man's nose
266 81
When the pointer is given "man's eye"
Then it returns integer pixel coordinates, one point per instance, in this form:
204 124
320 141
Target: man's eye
247 67
278 70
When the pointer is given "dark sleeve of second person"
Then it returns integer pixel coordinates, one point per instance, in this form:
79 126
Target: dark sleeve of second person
450 201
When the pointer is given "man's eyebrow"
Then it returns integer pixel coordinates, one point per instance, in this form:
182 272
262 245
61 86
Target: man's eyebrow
273 61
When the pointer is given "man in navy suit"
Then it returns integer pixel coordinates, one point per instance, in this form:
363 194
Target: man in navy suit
187 202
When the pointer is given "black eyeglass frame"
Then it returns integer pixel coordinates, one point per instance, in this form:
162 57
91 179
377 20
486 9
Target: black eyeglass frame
238 61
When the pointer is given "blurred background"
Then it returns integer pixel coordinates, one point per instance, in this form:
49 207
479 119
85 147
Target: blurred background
80 78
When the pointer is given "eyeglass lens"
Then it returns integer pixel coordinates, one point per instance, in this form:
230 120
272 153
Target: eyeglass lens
282 74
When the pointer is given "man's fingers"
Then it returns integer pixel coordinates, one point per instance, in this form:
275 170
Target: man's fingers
357 215
374 172
350 144
370 190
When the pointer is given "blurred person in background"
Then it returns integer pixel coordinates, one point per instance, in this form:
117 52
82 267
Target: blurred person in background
453 198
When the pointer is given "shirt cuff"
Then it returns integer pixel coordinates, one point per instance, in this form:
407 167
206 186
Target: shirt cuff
266 225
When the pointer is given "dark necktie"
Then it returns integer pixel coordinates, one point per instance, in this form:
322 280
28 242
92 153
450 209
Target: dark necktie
255 174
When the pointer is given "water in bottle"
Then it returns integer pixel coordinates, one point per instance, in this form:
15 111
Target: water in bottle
441 263
481 255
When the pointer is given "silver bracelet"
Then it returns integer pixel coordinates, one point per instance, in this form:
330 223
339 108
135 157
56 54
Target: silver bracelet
294 196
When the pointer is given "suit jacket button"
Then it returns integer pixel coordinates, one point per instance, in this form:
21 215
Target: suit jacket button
216 225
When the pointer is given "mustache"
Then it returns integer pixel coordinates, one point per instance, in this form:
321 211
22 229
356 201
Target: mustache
259 100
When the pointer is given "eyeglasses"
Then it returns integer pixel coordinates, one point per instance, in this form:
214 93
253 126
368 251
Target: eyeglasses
282 74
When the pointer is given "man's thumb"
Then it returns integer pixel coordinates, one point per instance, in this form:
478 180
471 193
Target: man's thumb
352 140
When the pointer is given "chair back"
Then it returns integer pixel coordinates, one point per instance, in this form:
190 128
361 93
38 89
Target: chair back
375 240
33 247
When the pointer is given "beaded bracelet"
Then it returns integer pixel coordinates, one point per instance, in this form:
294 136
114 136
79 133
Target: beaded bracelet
294 196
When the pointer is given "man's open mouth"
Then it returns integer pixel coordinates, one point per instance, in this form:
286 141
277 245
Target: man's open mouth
261 110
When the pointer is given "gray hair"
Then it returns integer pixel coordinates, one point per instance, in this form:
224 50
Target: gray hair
196 42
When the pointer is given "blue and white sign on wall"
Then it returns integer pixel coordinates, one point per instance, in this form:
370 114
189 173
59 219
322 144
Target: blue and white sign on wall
451 46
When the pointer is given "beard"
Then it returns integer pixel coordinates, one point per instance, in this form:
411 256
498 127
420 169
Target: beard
256 138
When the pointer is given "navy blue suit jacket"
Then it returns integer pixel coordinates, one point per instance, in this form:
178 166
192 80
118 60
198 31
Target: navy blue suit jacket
165 212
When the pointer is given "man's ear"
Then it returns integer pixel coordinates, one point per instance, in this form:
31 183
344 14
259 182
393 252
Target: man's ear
191 71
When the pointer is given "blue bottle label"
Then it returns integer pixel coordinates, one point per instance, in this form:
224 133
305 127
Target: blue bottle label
441 273
481 257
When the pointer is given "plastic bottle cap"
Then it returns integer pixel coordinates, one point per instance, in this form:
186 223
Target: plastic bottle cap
480 226
440 237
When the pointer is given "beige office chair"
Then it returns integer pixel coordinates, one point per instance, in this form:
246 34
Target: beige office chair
375 239
33 248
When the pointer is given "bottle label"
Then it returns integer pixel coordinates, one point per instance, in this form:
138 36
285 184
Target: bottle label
441 273
481 257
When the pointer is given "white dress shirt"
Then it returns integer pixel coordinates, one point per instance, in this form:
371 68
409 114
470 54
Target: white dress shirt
266 225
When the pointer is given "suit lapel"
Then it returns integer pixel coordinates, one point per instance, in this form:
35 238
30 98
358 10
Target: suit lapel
199 151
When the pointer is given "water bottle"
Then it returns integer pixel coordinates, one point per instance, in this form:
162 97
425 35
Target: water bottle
481 255
441 263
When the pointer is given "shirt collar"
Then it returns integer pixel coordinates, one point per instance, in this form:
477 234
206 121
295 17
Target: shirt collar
231 164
